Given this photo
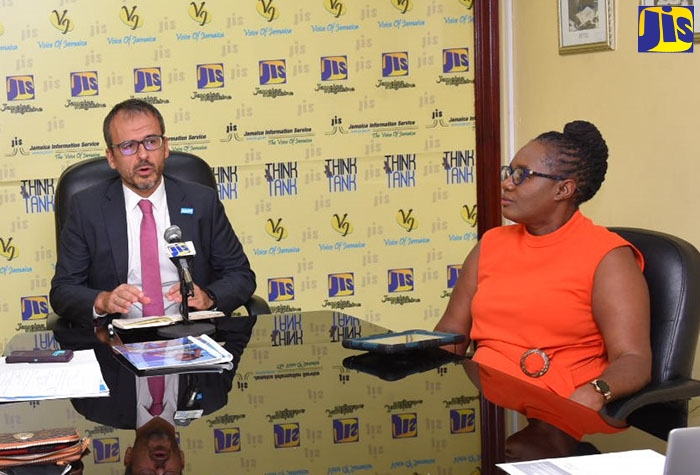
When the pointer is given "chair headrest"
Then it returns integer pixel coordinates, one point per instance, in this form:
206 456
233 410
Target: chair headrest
84 174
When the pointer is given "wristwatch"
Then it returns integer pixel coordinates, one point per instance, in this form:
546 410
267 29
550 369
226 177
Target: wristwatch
603 388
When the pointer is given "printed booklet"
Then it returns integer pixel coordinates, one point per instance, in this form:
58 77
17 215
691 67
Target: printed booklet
180 355
162 321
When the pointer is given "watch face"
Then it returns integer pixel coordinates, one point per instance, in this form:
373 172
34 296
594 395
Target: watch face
604 388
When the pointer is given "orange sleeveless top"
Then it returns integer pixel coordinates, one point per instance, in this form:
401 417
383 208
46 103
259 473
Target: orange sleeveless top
536 292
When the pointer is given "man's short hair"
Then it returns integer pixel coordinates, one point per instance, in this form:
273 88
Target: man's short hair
134 106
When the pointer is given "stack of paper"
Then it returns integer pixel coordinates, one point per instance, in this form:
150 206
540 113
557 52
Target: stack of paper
637 462
78 378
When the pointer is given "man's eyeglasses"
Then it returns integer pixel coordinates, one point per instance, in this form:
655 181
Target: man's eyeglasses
150 143
519 174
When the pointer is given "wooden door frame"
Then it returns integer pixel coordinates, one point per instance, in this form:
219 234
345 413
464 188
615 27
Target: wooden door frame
488 186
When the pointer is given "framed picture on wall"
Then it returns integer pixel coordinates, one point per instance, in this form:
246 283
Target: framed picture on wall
586 25
680 3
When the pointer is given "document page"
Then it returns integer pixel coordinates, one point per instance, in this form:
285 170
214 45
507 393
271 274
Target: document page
637 462
80 377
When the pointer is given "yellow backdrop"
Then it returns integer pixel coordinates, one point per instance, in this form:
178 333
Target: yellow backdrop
341 135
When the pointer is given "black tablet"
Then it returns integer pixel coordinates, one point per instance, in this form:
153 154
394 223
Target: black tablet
408 340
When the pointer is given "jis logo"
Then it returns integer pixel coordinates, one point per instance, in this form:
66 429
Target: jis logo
404 426
210 76
35 308
287 435
462 421
346 430
665 29
400 280
334 68
84 84
280 289
147 80
106 450
19 88
272 72
452 275
227 440
341 285
394 64
455 60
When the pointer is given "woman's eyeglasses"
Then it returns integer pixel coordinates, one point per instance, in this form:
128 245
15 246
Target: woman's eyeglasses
519 174
150 143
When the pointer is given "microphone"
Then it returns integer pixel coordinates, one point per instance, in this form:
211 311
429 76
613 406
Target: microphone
179 252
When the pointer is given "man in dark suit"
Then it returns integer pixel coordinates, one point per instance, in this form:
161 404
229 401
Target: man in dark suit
98 271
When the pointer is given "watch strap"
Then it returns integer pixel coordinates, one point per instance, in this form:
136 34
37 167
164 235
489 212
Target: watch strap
212 297
603 388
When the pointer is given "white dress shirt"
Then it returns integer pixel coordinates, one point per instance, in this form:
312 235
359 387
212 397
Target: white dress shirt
168 271
144 399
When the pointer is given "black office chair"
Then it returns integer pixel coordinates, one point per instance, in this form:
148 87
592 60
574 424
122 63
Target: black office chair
672 272
83 174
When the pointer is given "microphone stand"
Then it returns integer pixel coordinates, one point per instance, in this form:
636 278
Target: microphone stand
186 293
184 307
188 327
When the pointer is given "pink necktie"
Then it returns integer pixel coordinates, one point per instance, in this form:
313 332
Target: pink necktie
150 265
156 385
151 283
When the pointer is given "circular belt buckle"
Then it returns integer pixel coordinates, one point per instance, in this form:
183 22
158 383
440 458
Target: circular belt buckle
541 354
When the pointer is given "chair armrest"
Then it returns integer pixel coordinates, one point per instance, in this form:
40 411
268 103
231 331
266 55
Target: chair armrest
256 305
675 390
53 321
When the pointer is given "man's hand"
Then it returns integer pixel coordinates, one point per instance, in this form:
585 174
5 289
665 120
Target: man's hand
200 300
120 299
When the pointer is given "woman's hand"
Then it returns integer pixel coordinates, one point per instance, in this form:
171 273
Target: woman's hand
589 397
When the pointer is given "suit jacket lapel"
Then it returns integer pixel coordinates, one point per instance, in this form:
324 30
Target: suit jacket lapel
181 211
114 216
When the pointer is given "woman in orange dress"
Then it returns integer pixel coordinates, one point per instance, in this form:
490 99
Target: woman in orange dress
555 299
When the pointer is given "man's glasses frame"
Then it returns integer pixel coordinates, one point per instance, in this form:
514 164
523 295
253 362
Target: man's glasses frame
150 143
519 174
